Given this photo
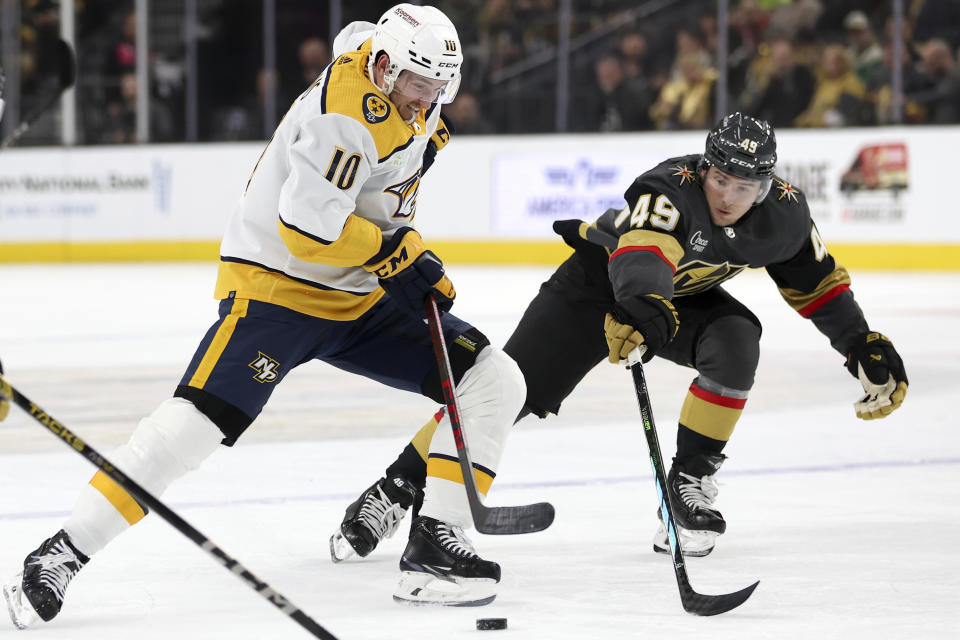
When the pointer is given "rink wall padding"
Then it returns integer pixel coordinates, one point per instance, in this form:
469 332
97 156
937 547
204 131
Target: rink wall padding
877 195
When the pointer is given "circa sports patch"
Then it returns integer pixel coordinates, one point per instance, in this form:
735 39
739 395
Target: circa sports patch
375 109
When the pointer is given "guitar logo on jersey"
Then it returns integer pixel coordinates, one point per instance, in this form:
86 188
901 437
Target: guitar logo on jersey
375 109
406 193
266 368
697 276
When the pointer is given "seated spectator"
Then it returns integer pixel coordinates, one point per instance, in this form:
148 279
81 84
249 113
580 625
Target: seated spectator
633 51
466 115
840 98
940 95
787 87
689 47
686 103
121 123
121 59
245 121
880 86
613 102
862 47
313 56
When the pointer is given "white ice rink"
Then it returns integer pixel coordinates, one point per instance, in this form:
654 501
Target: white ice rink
852 528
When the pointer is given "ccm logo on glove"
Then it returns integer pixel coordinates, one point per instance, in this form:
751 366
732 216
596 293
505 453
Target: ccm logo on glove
408 272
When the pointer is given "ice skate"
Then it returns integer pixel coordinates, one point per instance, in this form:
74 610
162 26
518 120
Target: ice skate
37 592
693 490
373 516
441 567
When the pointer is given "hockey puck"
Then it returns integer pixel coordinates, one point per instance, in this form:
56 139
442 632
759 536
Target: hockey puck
489 624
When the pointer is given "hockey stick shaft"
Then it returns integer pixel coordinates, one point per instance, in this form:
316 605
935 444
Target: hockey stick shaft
489 520
65 79
144 497
693 602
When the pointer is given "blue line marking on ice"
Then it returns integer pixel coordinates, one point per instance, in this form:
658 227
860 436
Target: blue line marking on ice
508 486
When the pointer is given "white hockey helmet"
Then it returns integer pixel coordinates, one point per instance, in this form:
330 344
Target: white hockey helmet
421 40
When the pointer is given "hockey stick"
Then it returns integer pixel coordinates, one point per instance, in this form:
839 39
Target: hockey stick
491 520
67 74
144 497
693 602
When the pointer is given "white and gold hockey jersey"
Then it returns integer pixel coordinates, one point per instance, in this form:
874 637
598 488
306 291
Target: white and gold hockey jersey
341 172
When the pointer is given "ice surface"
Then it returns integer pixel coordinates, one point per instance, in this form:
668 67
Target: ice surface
852 527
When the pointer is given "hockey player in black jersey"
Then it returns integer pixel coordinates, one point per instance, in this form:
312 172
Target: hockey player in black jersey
649 277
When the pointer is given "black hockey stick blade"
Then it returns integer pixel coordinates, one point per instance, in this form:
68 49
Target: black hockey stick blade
706 605
145 498
500 521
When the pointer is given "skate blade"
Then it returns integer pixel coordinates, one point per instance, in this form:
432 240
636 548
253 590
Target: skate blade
340 548
21 612
695 544
419 589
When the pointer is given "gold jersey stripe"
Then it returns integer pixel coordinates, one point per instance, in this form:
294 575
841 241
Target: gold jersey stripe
257 283
219 343
800 299
122 501
450 470
667 244
709 419
358 242
421 441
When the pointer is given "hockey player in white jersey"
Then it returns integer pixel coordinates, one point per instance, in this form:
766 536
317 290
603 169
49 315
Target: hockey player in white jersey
321 261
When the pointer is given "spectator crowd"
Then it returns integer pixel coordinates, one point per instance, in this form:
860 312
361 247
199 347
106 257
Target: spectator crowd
796 63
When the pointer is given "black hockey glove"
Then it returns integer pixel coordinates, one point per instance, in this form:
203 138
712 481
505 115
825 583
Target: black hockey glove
879 368
408 272
646 322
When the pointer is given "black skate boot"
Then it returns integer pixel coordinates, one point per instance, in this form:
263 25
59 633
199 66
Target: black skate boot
373 516
37 592
693 491
440 566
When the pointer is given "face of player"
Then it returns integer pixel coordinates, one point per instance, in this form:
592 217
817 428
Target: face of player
413 93
729 197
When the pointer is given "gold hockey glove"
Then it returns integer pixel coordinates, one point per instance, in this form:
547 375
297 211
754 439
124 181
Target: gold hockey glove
408 271
879 368
645 322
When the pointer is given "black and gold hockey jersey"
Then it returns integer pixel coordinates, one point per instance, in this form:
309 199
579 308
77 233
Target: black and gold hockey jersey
666 243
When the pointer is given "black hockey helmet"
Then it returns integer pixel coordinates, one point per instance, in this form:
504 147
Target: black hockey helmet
742 146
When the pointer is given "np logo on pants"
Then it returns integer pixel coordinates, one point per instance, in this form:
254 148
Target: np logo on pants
266 368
